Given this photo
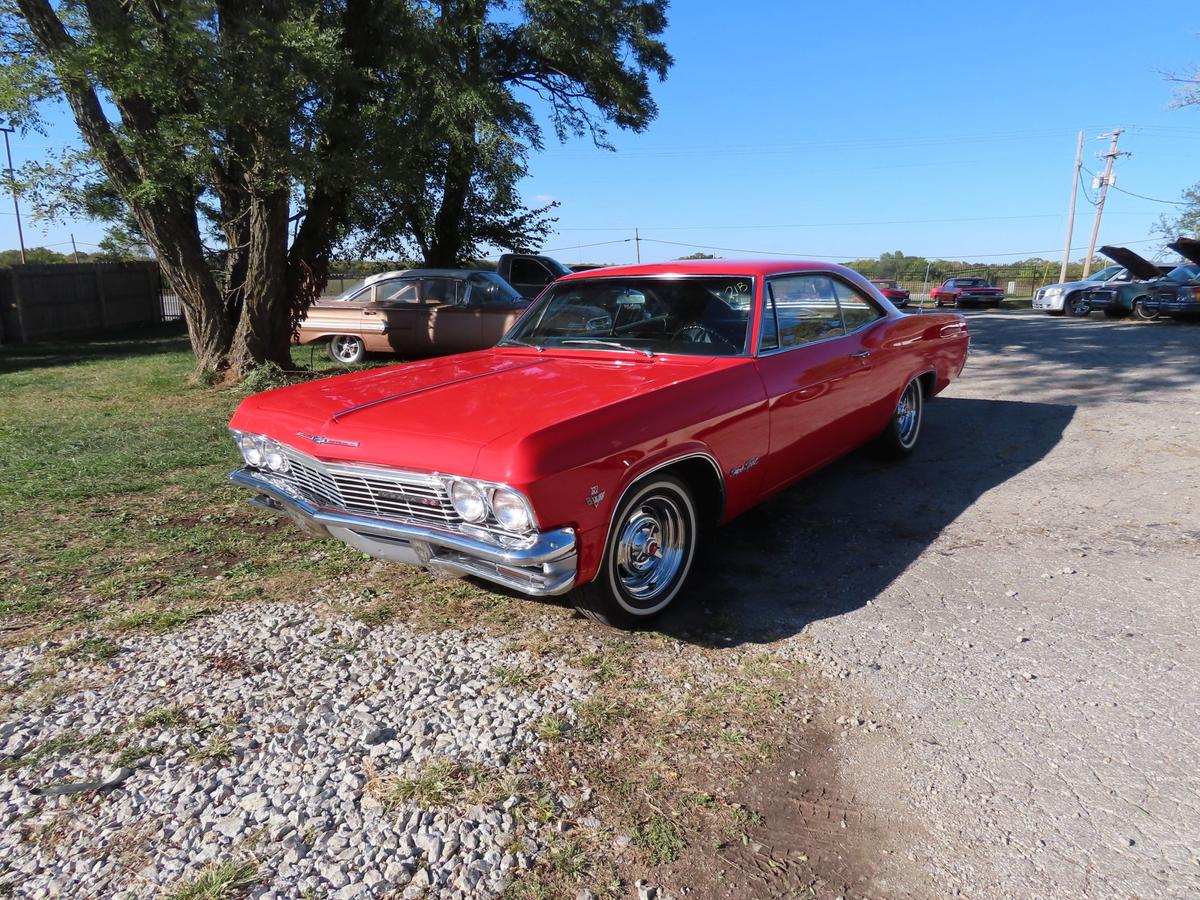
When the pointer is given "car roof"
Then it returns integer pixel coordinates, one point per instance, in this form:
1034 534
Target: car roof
754 267
427 273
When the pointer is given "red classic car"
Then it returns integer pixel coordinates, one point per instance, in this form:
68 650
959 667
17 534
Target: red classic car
962 291
891 289
628 410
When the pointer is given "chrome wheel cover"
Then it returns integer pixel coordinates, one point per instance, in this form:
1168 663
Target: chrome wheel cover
345 349
650 550
908 414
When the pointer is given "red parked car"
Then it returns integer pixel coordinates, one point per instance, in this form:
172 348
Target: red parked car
627 411
964 291
892 290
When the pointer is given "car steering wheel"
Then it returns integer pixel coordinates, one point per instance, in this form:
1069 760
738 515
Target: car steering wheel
702 334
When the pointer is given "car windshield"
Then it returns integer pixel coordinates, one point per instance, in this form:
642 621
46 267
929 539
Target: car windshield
971 282
704 316
1106 273
880 283
1190 272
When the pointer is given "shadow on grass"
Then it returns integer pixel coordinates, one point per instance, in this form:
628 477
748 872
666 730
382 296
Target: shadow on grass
149 341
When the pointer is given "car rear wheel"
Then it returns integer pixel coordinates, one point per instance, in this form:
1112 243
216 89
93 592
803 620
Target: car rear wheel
347 349
900 436
649 553
1141 312
1078 306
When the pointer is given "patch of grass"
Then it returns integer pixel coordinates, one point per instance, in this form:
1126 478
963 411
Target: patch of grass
159 620
166 717
67 742
93 649
515 678
445 783
551 728
220 881
216 748
659 839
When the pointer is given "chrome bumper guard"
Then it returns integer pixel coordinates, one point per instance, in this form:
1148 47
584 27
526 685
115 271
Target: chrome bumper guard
545 568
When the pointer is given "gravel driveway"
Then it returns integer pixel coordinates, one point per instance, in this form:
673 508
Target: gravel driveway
1018 603
295 742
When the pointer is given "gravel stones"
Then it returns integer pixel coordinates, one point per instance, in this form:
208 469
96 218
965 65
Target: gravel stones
276 753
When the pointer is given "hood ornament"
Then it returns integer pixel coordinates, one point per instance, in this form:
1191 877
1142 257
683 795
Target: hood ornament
317 439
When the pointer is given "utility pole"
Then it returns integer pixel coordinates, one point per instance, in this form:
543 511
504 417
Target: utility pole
12 186
637 244
74 249
1105 181
1062 275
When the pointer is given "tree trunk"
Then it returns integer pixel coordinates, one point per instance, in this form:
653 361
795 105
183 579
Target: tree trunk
446 245
264 331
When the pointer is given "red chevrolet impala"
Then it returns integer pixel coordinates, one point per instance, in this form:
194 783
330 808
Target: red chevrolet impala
628 410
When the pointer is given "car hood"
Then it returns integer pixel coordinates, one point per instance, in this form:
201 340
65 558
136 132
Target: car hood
437 415
1188 248
1139 266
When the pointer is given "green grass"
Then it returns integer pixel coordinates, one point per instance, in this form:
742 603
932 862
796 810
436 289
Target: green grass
224 881
114 502
659 839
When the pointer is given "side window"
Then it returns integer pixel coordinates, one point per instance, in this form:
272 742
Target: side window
806 309
768 335
438 291
531 272
397 292
857 310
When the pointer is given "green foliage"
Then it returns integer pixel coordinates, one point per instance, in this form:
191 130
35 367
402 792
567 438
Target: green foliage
1184 220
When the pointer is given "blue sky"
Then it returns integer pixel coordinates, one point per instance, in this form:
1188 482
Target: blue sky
806 129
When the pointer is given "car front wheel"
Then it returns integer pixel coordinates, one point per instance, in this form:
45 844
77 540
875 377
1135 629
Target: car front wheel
650 550
900 436
1141 312
347 349
1078 307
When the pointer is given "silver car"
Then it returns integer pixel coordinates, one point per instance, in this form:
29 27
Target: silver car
1056 299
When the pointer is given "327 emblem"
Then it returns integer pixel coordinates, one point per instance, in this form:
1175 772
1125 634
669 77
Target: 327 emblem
595 497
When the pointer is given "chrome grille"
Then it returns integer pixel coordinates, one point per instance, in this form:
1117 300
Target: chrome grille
384 494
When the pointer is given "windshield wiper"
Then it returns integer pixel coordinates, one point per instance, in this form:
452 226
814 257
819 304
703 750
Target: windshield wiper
516 342
612 345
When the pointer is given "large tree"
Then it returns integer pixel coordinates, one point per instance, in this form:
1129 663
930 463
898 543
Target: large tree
248 140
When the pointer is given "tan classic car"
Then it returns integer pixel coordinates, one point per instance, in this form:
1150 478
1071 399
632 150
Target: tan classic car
414 313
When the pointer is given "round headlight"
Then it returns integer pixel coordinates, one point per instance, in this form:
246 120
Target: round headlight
275 459
510 510
251 447
468 501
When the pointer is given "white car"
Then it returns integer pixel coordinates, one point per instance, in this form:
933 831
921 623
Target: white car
1056 299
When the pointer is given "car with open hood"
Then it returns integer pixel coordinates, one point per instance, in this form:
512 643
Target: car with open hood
1057 299
628 410
1178 295
1122 296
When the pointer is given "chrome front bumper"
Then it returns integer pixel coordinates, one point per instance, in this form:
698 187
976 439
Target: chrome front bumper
546 567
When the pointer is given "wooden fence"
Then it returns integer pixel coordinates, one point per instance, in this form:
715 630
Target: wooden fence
50 301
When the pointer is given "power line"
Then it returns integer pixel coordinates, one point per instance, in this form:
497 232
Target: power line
1151 199
859 256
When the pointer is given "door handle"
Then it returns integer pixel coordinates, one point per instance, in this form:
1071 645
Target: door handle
861 354
370 312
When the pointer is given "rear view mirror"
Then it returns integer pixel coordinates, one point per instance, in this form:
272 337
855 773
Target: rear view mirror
631 298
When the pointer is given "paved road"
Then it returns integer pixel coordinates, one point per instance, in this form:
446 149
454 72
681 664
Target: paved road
1018 604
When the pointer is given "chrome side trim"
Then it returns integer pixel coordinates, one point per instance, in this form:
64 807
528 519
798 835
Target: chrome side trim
544 567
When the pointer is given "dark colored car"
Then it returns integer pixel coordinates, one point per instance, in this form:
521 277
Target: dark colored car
961 291
1118 298
1178 295
892 290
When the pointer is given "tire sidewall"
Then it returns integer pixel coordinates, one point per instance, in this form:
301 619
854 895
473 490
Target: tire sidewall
900 445
608 574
